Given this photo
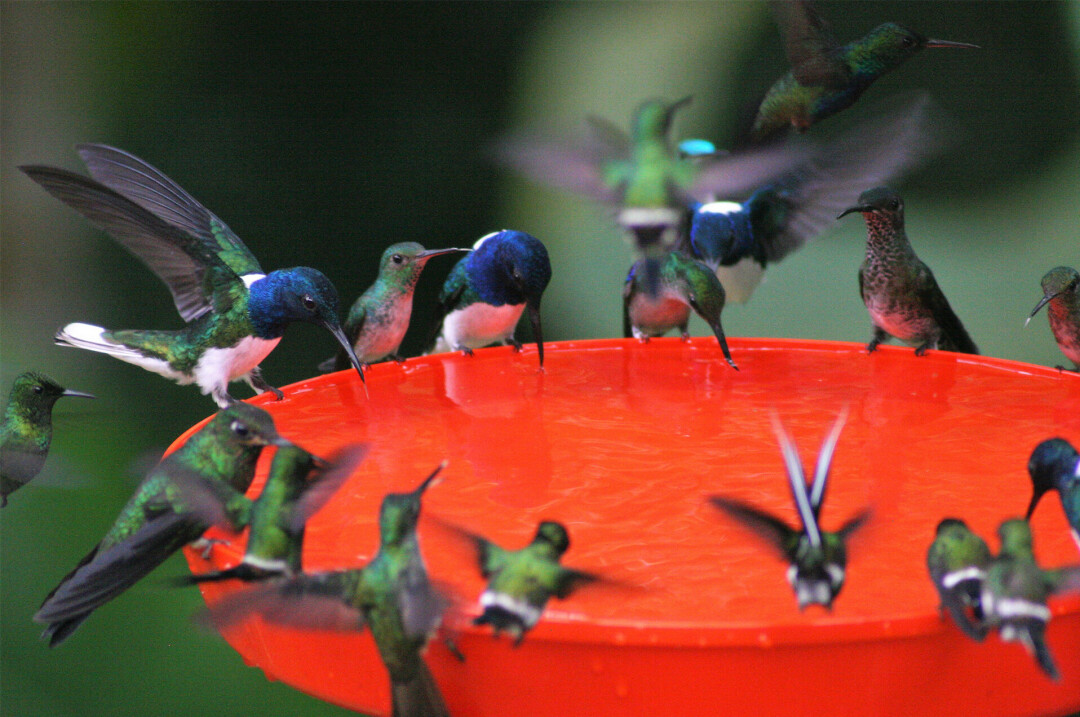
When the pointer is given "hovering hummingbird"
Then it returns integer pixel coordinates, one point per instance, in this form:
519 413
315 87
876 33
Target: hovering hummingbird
235 312
487 291
1055 465
827 77
392 595
298 486
899 291
817 558
957 561
738 240
1015 591
26 431
157 520
1061 289
645 175
377 322
684 284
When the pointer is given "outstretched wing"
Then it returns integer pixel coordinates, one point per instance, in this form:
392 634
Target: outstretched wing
148 187
326 483
809 43
771 529
314 602
570 580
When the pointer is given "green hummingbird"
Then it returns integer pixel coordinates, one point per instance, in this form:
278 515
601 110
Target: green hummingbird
235 312
26 431
298 486
684 284
1055 465
1015 591
900 291
1061 289
817 559
378 320
957 561
158 519
391 595
827 77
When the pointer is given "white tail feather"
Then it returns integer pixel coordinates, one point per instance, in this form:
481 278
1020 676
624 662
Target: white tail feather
90 337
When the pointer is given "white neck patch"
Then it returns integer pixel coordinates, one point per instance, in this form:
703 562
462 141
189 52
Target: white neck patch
720 208
250 279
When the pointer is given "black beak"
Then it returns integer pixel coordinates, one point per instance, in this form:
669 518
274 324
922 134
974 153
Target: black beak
950 43
341 338
1035 497
428 253
534 319
718 330
852 210
430 480
1042 302
77 394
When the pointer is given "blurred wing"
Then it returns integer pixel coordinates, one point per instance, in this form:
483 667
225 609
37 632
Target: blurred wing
148 187
326 483
608 141
1064 580
578 169
854 524
735 176
809 43
311 602
570 580
179 260
421 605
773 530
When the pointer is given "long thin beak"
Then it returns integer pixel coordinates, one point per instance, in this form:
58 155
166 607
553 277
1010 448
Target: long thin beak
280 442
534 319
1042 302
344 341
430 480
428 253
852 210
1035 497
718 330
950 43
77 394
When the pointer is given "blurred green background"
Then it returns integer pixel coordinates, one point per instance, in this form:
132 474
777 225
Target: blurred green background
321 133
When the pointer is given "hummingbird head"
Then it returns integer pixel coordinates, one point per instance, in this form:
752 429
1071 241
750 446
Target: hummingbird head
1052 461
1059 280
242 424
297 294
888 45
950 524
698 285
33 396
400 512
404 261
879 203
653 118
553 534
1015 535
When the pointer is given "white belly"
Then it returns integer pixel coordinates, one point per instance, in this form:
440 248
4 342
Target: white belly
219 366
480 324
740 279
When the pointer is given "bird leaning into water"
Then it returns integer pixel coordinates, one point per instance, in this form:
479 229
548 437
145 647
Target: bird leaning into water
235 312
1055 465
1061 290
26 431
827 77
378 320
900 291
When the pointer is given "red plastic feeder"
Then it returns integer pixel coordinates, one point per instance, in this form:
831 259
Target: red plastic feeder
622 442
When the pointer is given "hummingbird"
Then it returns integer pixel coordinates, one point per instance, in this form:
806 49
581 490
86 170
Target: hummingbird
827 77
298 485
684 284
26 431
817 558
899 291
957 561
520 582
1061 289
738 240
486 292
1015 591
377 322
391 595
645 175
1055 465
235 313
158 520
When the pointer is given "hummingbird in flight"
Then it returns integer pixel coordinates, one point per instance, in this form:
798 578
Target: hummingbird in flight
26 430
684 284
487 291
957 561
159 519
298 486
827 77
235 313
391 595
1055 465
1061 290
1016 589
817 559
378 320
900 291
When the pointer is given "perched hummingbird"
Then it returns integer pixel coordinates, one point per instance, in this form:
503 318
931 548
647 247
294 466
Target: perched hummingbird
1055 465
157 520
957 561
520 582
298 485
235 312
899 291
392 595
1015 591
26 431
377 322
645 175
684 284
817 558
827 77
1061 289
487 291
738 240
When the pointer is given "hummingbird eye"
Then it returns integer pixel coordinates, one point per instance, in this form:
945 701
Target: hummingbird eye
37 388
397 258
240 429
894 204
907 41
308 302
